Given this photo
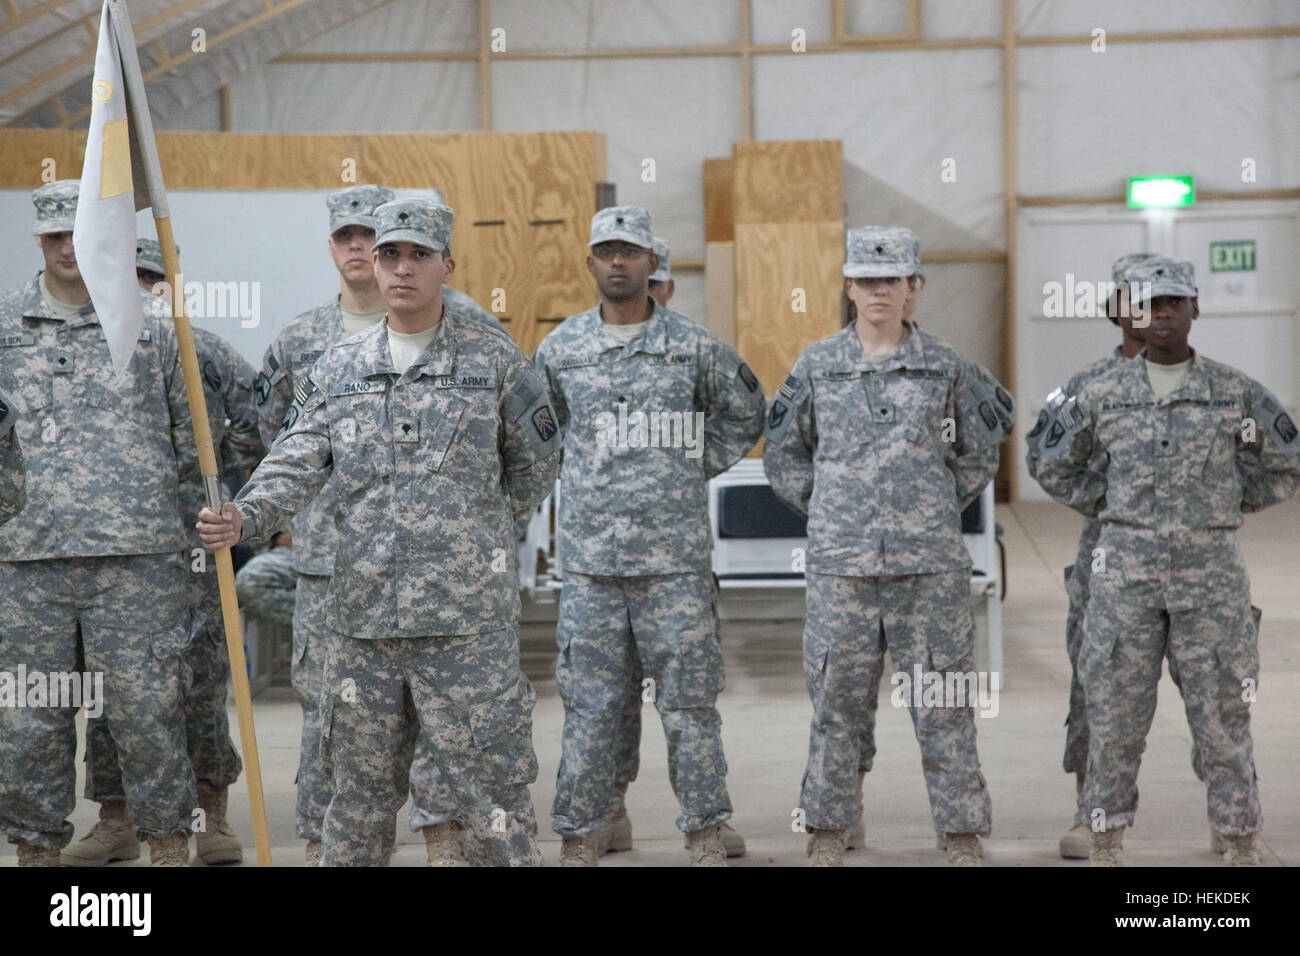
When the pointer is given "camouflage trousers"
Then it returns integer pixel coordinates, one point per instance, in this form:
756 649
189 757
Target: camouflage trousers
607 626
433 800
469 698
206 668
1213 657
306 673
627 758
265 586
1077 578
925 622
125 620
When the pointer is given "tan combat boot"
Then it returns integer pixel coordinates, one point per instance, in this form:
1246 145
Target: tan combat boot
732 841
1077 842
706 847
1108 847
964 849
616 834
579 850
218 843
112 838
314 852
29 855
826 847
170 850
444 844
1239 850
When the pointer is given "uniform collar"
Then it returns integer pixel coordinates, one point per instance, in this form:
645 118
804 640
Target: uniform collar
34 306
653 338
439 358
1196 388
910 354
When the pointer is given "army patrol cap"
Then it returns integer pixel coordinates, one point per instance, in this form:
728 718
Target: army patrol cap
622 223
1120 267
355 206
1160 276
878 252
421 221
665 270
56 206
148 255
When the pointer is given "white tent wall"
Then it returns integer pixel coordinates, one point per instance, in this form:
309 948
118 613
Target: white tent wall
1089 120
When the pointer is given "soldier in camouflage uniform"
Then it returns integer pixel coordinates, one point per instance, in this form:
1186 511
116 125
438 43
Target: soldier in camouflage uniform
91 573
1165 451
881 435
1077 843
266 585
634 535
438 432
616 835
296 348
13 471
228 391
856 837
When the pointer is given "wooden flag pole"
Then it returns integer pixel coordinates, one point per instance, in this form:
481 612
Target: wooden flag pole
143 128
225 569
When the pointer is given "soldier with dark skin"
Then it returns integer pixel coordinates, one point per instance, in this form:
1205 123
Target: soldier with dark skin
1165 451
1077 843
617 835
634 536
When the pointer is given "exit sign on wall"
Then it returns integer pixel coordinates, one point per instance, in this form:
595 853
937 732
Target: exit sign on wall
1237 255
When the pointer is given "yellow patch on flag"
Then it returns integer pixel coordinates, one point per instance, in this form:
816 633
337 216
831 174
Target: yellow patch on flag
115 164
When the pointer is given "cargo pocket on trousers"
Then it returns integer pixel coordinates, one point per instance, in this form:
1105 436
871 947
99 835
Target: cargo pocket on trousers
1238 657
170 641
952 643
502 728
695 676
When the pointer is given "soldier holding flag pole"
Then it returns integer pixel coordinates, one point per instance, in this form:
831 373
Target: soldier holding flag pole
122 175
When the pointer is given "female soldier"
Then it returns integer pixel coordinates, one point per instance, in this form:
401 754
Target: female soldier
881 434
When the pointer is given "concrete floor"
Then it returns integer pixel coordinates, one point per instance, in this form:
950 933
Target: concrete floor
765 714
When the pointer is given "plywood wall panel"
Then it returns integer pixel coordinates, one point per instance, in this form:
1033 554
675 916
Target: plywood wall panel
796 181
773 260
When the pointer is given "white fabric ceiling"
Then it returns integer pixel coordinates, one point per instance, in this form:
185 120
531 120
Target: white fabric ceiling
1086 120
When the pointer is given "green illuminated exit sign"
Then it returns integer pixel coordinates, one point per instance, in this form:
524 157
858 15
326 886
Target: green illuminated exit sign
1146 192
1235 256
